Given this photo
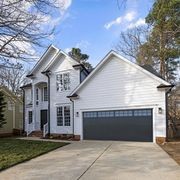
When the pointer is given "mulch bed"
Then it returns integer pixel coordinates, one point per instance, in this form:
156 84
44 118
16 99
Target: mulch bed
173 149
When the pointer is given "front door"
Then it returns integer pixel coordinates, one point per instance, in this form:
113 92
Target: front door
43 118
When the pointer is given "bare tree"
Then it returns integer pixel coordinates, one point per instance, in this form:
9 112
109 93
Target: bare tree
23 26
13 78
174 110
131 40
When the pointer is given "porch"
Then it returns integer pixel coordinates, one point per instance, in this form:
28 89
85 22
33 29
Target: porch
37 111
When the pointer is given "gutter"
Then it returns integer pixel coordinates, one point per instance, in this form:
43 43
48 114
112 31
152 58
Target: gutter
29 75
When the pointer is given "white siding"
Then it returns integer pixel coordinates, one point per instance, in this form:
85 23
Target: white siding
28 100
60 98
39 77
62 64
118 85
28 96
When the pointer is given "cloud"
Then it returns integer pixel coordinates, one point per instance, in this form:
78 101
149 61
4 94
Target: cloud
139 22
129 16
83 45
114 22
63 5
67 50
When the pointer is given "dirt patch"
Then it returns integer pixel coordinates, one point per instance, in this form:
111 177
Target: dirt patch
173 149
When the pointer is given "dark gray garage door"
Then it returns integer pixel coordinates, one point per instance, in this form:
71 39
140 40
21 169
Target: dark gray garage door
127 125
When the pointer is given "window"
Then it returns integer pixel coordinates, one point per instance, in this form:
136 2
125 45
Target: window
37 96
90 114
123 113
63 116
67 118
30 117
144 112
45 94
59 116
63 82
105 114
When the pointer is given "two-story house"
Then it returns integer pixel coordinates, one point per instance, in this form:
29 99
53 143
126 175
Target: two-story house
118 100
53 78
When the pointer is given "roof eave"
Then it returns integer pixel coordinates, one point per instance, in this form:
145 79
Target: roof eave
163 86
26 86
74 96
80 66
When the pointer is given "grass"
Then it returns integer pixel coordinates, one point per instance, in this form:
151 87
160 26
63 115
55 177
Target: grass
14 151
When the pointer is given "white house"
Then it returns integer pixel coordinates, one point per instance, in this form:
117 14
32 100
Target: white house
118 100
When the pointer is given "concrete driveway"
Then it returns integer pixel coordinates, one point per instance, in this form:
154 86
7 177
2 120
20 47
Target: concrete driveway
98 160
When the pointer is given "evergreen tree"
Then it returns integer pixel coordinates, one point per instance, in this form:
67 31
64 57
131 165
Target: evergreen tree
2 106
164 38
76 54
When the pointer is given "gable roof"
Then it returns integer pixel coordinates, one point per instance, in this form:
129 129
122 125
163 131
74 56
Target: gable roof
42 58
55 58
115 54
10 94
151 70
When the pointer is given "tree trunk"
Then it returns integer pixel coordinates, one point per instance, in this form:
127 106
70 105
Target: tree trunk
162 55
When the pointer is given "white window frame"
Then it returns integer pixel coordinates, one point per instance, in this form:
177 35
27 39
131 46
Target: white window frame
43 94
63 116
45 99
63 83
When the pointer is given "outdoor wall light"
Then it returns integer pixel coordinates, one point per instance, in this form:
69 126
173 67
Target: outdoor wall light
77 114
160 110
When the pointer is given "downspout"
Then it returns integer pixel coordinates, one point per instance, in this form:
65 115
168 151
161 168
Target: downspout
73 114
47 73
23 110
48 103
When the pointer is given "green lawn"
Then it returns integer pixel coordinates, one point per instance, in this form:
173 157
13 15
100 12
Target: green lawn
14 151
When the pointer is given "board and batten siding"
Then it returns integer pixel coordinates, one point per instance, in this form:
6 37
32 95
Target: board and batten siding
119 85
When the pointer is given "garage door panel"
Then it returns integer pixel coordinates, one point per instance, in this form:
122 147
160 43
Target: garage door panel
132 128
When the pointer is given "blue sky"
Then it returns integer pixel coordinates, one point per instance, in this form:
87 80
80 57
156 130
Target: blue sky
94 25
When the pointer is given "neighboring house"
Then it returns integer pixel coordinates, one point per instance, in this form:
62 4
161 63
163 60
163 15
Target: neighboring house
13 113
118 100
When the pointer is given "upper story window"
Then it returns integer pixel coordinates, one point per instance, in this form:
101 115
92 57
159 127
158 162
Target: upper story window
44 94
63 82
